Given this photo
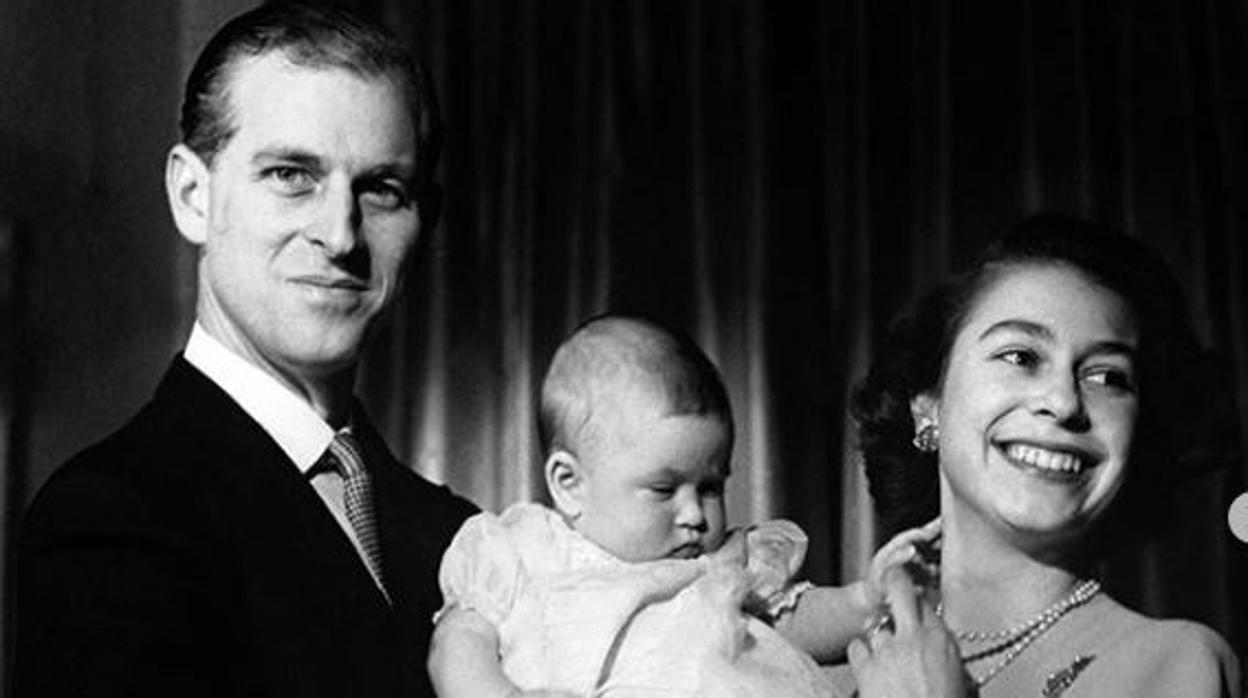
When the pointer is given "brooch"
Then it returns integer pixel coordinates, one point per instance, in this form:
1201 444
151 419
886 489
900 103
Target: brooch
1059 681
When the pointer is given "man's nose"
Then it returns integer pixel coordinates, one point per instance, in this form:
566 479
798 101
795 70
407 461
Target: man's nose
338 226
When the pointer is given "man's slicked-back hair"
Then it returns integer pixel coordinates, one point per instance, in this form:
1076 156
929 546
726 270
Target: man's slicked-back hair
609 354
308 35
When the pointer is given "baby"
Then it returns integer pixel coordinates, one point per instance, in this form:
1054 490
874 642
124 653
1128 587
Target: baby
631 585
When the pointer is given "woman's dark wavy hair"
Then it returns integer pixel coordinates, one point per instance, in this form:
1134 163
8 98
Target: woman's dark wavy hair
915 352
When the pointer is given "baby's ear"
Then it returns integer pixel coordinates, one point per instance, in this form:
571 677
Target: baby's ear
564 481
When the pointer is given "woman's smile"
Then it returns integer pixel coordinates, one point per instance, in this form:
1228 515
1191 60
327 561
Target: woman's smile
1036 425
1053 464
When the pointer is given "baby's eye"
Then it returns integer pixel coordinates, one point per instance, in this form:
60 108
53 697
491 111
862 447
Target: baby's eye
662 489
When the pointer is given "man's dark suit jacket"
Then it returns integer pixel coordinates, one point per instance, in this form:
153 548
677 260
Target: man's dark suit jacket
185 555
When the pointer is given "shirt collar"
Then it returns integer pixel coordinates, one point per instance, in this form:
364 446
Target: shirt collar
286 417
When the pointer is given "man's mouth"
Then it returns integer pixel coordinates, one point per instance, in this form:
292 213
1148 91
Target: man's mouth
332 283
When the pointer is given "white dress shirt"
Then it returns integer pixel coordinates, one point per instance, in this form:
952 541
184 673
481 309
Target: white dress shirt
286 417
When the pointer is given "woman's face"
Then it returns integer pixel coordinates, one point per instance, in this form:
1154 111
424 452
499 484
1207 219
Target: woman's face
1038 405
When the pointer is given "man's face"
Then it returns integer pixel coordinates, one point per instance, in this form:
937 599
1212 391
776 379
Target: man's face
311 216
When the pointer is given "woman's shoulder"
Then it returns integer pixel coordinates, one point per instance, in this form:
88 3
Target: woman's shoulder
1142 633
1167 655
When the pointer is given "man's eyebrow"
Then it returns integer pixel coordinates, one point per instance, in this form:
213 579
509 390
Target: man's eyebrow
396 169
290 155
296 156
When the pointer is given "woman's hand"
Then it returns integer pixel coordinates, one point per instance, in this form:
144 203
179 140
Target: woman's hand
917 549
913 655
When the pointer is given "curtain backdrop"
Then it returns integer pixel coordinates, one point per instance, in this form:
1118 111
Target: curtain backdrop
776 178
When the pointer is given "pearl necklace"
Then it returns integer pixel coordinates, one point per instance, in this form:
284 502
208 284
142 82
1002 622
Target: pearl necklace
1012 641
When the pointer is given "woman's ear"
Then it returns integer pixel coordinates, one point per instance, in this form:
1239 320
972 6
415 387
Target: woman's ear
565 480
186 186
924 409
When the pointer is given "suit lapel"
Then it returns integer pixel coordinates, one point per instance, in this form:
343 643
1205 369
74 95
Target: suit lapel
416 519
282 526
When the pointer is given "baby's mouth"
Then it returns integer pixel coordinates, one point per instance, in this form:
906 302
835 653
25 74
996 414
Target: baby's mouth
688 551
1057 464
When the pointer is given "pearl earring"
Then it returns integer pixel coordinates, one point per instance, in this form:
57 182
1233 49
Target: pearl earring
927 436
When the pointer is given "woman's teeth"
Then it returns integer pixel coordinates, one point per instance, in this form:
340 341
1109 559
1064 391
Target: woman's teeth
1045 459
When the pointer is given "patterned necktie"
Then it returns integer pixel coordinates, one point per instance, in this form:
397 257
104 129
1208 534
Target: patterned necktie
358 492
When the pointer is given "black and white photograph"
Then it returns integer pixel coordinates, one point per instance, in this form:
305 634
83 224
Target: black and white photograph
624 348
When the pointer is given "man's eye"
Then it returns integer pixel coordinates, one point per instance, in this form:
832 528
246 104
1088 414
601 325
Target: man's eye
385 196
294 180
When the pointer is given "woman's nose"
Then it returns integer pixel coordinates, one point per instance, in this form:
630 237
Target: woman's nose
1060 398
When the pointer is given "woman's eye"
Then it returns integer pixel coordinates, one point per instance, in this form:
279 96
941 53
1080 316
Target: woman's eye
1019 357
1115 378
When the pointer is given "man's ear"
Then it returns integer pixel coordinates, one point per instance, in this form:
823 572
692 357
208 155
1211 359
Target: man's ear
924 409
565 480
187 180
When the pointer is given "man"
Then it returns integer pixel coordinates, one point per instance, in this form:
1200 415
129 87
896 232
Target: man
248 533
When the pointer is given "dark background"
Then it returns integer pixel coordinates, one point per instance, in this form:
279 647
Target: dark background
777 178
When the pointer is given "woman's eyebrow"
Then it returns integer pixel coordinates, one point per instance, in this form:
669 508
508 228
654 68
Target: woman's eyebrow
1027 327
1112 346
1039 331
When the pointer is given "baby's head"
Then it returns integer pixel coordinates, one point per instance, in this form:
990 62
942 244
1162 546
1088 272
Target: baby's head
638 433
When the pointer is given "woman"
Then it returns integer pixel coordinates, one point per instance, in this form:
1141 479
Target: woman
1036 403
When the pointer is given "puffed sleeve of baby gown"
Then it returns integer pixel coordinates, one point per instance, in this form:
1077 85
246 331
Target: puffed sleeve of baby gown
481 570
775 552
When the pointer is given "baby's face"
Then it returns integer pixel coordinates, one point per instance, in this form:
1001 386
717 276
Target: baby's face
655 488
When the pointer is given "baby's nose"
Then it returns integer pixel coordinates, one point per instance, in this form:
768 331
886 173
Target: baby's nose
690 514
